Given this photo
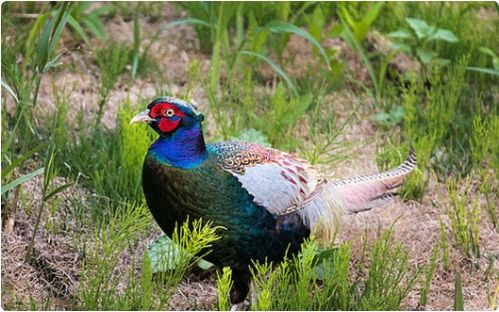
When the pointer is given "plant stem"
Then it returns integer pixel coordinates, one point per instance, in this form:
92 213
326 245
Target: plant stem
37 88
29 252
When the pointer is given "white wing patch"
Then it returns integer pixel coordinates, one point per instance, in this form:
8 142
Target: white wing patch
270 188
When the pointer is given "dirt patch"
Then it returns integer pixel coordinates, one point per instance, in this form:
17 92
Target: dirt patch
54 268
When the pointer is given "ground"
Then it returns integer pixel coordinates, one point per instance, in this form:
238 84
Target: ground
56 271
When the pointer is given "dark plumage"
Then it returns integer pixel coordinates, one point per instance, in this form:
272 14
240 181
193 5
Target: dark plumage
267 200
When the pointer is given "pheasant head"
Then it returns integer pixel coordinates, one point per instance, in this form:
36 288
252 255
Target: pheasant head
166 115
178 124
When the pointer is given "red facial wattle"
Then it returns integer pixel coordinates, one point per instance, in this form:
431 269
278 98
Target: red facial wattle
169 116
167 124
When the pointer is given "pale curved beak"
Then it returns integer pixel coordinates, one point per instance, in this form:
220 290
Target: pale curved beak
142 117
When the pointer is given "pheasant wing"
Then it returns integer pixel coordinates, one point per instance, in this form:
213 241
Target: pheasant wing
278 181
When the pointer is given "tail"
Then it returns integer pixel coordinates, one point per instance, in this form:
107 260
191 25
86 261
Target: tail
352 195
370 191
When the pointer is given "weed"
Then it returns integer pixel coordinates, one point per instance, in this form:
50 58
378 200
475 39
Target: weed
83 16
419 38
112 235
49 172
444 245
111 61
292 285
23 80
280 116
224 284
119 232
354 32
465 216
487 190
324 133
484 147
115 167
428 275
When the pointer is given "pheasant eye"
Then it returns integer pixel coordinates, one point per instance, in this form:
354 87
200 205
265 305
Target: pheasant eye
169 112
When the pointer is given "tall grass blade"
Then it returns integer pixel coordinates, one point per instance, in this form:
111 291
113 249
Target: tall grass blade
10 91
21 160
186 21
283 27
21 180
79 30
278 70
488 71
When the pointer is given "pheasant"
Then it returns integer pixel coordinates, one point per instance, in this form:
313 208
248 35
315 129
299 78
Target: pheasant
268 201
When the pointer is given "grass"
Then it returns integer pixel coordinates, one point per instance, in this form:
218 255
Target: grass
254 90
123 147
464 213
379 281
119 232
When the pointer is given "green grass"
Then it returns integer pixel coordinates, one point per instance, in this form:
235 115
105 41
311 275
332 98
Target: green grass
465 216
325 279
114 169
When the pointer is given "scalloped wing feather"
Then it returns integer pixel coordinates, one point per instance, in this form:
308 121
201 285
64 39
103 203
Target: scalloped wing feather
278 181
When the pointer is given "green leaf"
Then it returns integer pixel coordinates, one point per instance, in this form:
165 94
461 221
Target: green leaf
136 42
204 265
165 255
420 27
362 28
52 62
94 24
101 10
21 160
489 71
400 34
186 21
282 27
372 14
162 254
21 180
316 23
495 58
275 67
444 35
336 30
61 20
442 61
487 51
9 90
425 55
35 30
78 29
42 46
400 47
393 117
57 191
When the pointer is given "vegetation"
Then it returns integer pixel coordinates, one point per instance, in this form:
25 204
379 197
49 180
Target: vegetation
298 76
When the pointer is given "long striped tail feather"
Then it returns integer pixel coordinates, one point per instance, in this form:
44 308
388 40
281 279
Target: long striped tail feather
370 191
